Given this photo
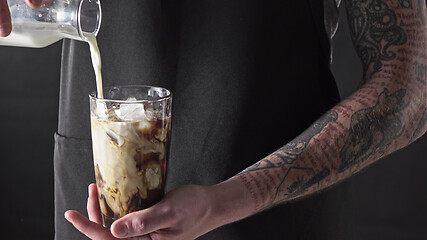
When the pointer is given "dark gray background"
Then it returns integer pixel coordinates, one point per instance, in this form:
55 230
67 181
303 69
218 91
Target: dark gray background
386 201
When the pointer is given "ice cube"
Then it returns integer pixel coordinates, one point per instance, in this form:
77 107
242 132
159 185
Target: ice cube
115 138
153 175
153 114
161 134
101 110
131 111
144 126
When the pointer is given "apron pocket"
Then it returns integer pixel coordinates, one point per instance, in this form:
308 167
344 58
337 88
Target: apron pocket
73 166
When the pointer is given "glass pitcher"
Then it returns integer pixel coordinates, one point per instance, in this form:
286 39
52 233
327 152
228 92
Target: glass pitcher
37 28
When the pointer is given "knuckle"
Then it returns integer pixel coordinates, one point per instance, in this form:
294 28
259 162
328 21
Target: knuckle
169 211
139 225
175 215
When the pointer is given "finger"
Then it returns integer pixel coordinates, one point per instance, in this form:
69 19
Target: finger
93 205
90 229
34 3
143 222
5 21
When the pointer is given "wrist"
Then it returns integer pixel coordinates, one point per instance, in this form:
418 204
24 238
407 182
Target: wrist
229 202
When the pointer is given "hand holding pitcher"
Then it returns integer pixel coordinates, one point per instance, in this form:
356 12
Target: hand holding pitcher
40 23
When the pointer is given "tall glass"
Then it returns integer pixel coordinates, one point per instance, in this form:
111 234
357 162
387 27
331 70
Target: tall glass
131 129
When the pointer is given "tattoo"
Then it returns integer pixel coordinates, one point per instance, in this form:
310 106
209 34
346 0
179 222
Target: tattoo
405 3
374 29
421 8
373 129
420 126
420 72
290 152
305 178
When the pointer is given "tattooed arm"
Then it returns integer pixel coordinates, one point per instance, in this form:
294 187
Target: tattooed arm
385 114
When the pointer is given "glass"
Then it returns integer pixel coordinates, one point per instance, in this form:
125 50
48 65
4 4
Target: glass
56 20
131 131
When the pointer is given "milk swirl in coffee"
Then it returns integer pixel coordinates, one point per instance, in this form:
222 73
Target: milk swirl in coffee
130 157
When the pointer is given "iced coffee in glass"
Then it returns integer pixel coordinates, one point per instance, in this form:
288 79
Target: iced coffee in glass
131 128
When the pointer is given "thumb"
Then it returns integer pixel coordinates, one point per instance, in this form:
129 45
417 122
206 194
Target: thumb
143 222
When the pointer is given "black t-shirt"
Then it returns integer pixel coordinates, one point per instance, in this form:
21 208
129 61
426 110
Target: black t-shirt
247 77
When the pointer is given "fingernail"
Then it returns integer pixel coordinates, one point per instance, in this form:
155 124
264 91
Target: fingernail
121 230
5 29
66 216
88 190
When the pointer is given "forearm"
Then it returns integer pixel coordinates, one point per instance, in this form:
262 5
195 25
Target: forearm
385 114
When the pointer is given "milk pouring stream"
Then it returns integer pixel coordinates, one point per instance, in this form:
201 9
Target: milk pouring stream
96 62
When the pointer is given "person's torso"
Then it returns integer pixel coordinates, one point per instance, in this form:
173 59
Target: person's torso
247 77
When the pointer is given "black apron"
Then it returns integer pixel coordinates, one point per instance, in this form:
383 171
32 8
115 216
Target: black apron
247 77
